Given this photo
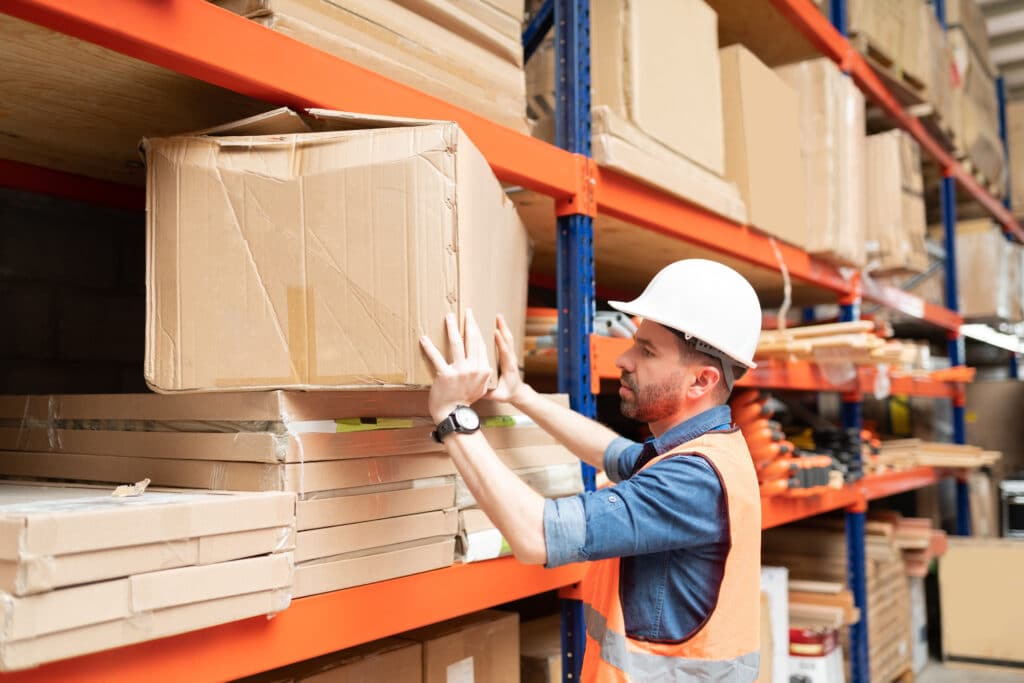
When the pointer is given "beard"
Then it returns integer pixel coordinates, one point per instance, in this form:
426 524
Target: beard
652 402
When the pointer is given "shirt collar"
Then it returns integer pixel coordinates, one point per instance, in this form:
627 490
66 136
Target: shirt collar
719 417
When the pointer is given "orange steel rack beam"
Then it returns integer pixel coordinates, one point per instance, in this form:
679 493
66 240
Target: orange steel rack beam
817 28
311 627
187 36
780 510
782 375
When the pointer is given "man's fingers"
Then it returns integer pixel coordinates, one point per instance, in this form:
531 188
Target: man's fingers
505 330
433 354
454 338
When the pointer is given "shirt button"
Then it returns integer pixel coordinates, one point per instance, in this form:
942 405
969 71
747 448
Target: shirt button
612 499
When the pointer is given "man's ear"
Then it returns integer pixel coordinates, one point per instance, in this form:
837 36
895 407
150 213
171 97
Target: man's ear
706 378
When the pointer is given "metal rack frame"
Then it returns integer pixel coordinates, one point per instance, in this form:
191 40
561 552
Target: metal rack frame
187 37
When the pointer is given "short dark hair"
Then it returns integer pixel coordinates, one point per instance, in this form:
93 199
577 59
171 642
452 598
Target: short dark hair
689 352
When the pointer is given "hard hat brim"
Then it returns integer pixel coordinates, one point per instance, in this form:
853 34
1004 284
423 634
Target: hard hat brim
636 308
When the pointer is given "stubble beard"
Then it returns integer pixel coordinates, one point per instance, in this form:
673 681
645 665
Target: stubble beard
653 402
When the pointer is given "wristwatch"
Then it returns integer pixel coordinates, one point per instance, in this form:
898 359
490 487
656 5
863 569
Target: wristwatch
463 420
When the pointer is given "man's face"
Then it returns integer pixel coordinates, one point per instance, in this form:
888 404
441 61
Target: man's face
654 376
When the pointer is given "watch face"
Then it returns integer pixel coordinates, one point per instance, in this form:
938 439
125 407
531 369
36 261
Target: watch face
466 418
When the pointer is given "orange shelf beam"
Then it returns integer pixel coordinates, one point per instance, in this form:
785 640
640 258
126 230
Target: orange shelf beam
70 186
779 510
882 485
817 28
781 375
311 627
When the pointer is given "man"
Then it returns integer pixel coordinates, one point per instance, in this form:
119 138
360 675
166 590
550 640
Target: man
673 589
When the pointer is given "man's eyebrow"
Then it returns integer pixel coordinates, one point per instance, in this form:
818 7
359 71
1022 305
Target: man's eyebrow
643 341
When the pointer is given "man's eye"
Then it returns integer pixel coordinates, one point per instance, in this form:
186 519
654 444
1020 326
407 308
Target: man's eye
648 353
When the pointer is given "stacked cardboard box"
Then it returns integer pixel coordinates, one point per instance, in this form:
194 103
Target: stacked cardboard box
376 493
315 249
540 650
1015 142
832 143
892 34
390 659
84 569
976 112
661 126
981 602
988 272
896 223
762 145
483 646
468 53
817 552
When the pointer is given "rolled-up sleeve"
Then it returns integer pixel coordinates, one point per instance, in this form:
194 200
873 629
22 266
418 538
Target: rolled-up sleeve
619 458
565 530
676 503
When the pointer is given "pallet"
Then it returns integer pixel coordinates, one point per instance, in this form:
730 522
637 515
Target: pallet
907 88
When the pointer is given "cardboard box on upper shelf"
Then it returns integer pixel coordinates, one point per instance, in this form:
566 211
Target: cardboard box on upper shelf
312 250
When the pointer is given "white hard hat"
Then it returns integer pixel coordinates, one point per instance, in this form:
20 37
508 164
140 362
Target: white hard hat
706 301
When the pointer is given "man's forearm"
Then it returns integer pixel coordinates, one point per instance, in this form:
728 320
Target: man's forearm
516 509
586 438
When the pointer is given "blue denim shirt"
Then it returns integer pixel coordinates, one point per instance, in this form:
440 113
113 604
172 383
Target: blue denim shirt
668 523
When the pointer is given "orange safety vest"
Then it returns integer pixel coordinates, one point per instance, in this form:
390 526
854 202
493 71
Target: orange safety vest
724 648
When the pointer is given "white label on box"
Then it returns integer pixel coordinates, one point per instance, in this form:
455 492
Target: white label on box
460 672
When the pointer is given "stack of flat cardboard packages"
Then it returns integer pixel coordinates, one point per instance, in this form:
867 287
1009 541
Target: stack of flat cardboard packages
661 126
84 569
976 111
832 142
896 224
377 496
468 53
817 552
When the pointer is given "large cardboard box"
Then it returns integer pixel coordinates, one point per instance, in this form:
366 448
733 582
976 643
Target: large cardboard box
479 539
896 221
762 145
832 142
988 272
390 659
966 16
631 44
981 601
62 535
540 650
483 646
313 250
678 108
442 48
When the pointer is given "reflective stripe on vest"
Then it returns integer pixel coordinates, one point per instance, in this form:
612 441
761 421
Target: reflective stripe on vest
726 647
645 666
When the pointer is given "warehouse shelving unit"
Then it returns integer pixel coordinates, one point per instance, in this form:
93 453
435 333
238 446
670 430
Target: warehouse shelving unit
191 37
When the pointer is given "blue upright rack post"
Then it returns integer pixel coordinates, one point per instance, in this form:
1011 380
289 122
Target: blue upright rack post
856 516
956 343
539 25
575 254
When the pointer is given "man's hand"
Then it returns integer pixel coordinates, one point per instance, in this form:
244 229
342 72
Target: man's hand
510 385
464 380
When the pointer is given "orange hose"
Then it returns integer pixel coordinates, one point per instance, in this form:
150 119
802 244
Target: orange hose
750 412
774 488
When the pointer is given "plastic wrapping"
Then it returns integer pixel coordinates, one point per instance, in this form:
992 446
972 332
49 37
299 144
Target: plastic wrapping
833 145
896 223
